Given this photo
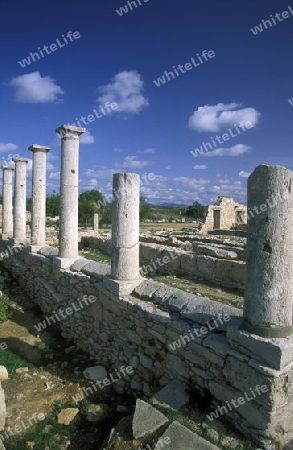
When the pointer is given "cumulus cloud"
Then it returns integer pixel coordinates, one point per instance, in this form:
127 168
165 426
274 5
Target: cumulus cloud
87 138
33 88
217 117
131 162
200 167
9 147
125 89
236 150
243 174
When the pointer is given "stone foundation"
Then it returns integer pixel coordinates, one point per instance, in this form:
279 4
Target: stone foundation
157 330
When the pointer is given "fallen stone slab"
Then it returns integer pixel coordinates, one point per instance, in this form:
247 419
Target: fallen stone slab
146 419
180 438
172 396
216 252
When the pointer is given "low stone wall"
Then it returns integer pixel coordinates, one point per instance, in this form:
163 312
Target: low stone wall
212 263
165 334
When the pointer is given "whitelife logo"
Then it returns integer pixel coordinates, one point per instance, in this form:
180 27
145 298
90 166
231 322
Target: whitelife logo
53 47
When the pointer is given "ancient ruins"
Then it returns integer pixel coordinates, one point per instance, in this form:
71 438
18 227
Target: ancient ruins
165 334
224 214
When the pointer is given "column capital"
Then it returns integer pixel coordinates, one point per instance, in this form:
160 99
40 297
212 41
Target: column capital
38 148
7 168
70 132
19 159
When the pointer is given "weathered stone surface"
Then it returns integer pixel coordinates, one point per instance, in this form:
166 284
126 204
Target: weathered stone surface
79 264
125 227
180 438
19 213
269 272
67 415
147 289
2 410
96 269
173 395
146 419
38 222
48 251
276 353
3 373
68 223
216 252
95 373
7 216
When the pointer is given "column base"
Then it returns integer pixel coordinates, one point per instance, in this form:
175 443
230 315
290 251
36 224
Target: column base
119 287
268 332
63 263
276 353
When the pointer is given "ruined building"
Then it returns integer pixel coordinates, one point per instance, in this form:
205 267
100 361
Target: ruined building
224 214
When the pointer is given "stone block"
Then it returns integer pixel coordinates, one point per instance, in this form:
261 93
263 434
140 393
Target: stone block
215 252
277 353
173 396
96 269
120 288
177 437
146 420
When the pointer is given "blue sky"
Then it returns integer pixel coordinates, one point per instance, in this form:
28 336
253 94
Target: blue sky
115 57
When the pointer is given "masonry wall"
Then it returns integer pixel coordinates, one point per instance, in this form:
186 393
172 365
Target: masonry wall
137 330
228 209
223 266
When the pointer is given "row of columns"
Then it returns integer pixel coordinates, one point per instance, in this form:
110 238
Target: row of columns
268 305
125 261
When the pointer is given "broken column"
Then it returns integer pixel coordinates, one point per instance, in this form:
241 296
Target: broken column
38 225
7 216
19 223
68 228
96 224
125 235
268 297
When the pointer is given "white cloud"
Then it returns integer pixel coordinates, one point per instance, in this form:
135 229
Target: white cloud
147 150
87 138
200 167
54 176
117 150
33 88
131 162
88 184
7 147
125 89
236 150
168 167
217 117
243 174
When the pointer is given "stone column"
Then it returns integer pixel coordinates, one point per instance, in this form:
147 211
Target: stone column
96 224
125 235
268 298
19 229
7 217
38 224
68 228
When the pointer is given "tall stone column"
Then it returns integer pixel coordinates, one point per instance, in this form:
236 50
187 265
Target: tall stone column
19 229
7 216
68 228
268 298
38 225
125 235
96 224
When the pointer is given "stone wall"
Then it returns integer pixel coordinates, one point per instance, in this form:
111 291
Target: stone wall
224 214
139 330
223 265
